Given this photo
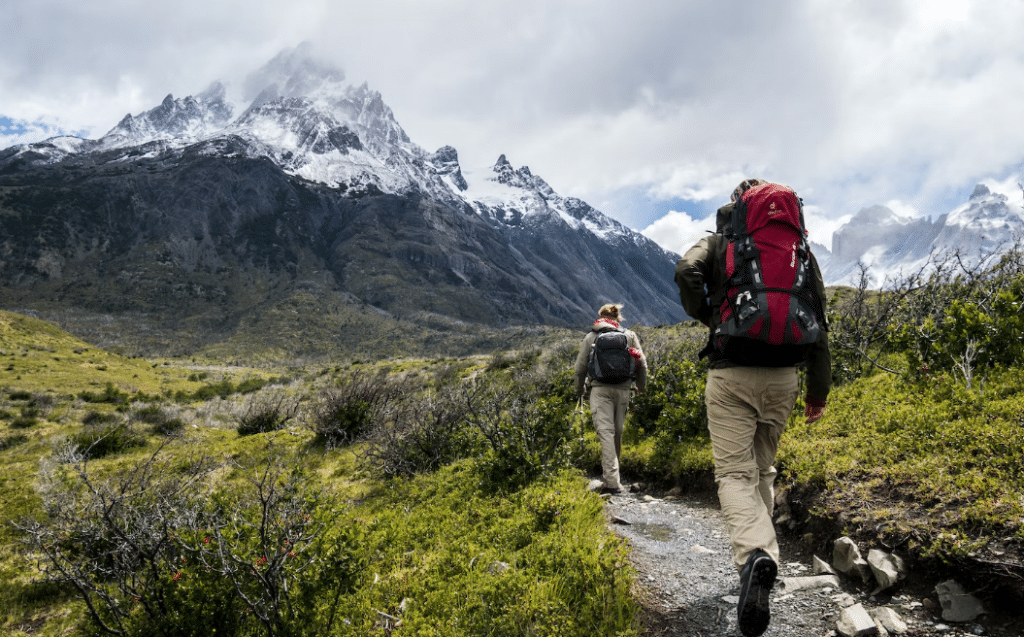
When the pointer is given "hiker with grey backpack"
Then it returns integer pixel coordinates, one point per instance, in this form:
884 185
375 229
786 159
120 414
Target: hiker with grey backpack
611 357
758 288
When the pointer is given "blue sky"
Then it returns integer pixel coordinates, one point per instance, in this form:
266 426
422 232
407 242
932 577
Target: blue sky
650 111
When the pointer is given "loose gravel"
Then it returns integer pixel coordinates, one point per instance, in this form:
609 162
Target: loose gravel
687 585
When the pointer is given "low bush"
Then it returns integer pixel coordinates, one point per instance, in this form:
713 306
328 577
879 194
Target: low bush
423 434
29 417
7 442
267 412
98 441
162 421
95 418
110 394
344 413
156 549
527 433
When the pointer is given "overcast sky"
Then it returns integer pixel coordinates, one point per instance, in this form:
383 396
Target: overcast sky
651 111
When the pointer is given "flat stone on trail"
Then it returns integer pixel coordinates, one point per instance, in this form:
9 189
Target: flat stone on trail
791 584
856 622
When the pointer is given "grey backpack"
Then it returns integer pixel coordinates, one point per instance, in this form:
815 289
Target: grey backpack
610 360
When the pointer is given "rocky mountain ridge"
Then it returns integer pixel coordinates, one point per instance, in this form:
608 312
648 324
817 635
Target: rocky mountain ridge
892 246
188 227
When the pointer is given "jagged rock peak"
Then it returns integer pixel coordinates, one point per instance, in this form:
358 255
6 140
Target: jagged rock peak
446 163
980 191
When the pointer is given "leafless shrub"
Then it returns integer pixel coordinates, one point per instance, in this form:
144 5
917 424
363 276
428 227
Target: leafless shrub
156 550
424 433
909 312
267 411
345 413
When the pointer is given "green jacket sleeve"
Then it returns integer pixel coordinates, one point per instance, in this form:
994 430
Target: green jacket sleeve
819 360
693 274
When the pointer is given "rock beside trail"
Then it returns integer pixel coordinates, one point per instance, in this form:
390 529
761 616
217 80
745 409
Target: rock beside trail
687 584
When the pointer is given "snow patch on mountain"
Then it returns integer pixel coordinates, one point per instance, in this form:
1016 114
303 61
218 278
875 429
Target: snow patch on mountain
889 246
302 115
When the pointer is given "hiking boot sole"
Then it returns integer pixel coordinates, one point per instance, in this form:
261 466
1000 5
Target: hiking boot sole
754 612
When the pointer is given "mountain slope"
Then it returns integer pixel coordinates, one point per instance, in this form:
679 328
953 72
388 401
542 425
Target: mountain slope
186 228
891 246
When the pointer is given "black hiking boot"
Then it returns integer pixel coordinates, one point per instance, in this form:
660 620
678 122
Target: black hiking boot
756 580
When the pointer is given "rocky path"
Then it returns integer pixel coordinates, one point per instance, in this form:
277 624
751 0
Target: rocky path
687 585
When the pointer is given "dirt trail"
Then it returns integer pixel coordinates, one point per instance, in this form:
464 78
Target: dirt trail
688 586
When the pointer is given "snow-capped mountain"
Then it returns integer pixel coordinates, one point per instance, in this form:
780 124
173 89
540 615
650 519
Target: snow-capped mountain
310 183
893 246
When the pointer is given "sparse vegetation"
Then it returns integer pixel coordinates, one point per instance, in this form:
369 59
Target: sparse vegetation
168 491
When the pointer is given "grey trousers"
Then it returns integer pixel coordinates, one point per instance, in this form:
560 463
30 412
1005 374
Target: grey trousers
747 412
608 404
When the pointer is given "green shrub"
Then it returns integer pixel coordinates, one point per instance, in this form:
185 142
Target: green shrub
111 394
94 418
424 433
98 441
528 434
250 385
346 412
7 442
222 388
162 422
153 553
29 418
267 412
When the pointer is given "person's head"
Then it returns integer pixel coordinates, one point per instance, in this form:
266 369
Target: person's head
744 186
611 311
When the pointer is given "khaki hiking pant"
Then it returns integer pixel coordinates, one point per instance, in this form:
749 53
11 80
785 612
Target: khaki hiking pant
747 412
608 404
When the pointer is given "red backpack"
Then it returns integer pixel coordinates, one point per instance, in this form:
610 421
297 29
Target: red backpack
770 313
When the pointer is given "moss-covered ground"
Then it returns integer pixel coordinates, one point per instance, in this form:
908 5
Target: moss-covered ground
921 462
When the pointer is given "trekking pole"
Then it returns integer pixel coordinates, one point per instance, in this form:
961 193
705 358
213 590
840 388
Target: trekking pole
579 410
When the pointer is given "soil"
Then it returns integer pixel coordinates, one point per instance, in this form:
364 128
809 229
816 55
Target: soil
687 585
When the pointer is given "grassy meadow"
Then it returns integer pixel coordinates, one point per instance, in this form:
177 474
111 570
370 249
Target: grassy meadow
448 496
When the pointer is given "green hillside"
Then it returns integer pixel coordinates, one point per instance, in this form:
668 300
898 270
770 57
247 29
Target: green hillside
344 484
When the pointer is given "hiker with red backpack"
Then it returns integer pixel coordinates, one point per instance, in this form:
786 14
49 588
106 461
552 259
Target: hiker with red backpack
612 358
758 288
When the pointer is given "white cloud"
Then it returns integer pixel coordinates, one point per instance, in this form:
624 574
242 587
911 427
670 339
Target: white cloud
678 231
851 102
820 226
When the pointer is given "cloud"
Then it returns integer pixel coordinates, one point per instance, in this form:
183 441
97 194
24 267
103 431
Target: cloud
14 132
851 102
678 231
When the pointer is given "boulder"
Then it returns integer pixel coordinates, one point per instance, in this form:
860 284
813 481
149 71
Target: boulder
821 567
890 620
957 604
856 622
847 559
888 569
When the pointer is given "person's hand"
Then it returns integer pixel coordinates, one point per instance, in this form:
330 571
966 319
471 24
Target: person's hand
813 412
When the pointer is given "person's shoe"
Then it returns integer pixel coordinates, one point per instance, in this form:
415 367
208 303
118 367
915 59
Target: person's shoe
756 580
